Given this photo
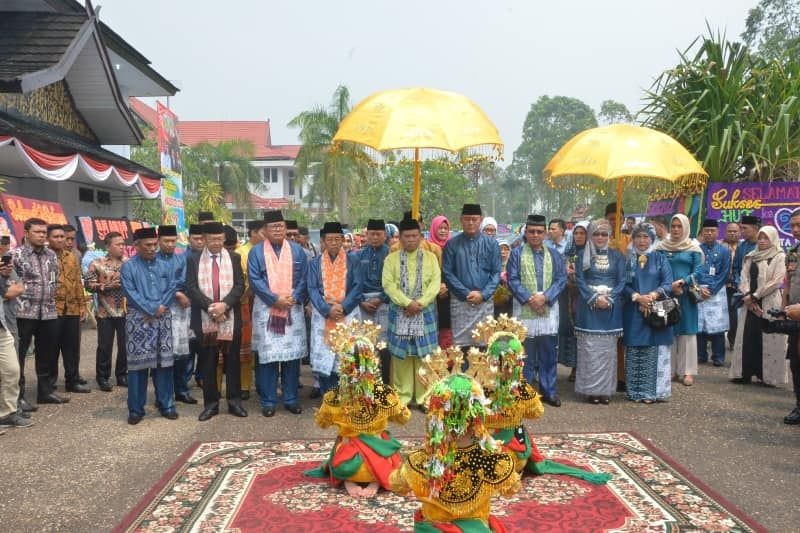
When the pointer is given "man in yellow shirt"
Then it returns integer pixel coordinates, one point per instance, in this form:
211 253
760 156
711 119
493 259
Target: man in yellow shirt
411 279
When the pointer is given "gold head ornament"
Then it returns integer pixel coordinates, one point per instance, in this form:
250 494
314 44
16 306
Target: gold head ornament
343 337
490 328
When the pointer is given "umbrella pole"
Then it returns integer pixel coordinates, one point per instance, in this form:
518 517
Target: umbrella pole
618 221
417 179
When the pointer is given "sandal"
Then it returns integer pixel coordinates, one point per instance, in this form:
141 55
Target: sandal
604 400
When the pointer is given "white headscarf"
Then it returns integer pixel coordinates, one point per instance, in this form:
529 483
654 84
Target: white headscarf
488 221
764 255
685 243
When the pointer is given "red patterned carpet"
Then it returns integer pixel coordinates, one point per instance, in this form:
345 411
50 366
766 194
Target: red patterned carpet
259 486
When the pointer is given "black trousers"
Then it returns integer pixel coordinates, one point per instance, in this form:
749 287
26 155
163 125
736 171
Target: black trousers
733 316
68 345
208 369
44 332
107 329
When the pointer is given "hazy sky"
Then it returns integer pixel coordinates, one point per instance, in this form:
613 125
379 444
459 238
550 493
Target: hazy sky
257 60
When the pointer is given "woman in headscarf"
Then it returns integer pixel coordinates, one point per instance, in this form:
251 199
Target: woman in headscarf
763 272
392 235
439 235
685 257
489 226
502 296
647 350
349 243
600 276
567 344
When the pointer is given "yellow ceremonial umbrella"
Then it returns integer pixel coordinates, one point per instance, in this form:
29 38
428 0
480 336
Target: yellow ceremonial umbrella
623 152
420 123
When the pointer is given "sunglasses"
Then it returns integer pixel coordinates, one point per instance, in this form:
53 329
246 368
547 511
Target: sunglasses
601 234
538 231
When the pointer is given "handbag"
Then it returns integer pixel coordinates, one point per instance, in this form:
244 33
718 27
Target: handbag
664 313
695 295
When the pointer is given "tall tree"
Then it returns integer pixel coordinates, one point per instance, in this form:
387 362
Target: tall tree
613 112
773 27
335 174
550 123
446 187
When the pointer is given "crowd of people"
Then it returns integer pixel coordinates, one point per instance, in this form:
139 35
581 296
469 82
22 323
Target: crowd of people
628 313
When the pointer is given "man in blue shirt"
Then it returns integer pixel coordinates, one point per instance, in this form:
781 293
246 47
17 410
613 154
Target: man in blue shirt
536 276
471 269
278 269
749 226
148 329
374 302
713 310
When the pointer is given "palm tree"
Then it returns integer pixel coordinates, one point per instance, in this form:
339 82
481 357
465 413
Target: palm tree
226 163
334 174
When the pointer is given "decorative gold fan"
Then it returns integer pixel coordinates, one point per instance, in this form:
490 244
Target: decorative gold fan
342 338
491 327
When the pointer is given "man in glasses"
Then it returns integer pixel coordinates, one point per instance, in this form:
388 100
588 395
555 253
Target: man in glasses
537 276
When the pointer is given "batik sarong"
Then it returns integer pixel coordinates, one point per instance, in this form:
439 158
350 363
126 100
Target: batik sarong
464 317
275 347
380 316
713 314
402 346
181 329
647 372
323 360
148 340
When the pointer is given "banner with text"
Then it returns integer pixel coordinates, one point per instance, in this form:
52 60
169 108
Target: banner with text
19 209
773 202
169 150
94 230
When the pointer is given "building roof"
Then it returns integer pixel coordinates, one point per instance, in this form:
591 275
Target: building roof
259 202
193 132
33 42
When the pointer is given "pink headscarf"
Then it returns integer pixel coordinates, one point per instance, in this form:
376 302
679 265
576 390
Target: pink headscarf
434 231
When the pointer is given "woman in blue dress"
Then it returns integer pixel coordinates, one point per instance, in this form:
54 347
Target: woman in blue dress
685 257
647 350
600 276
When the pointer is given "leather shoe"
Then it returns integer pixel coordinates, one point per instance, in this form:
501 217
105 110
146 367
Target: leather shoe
104 385
78 387
294 408
122 381
268 411
52 398
208 412
25 407
134 419
22 413
170 415
793 418
315 393
185 398
740 381
236 409
555 401
82 381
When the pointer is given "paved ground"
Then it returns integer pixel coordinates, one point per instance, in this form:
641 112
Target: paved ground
81 467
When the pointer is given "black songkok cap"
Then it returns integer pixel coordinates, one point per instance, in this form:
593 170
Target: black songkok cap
408 224
145 233
376 224
471 209
213 228
332 227
254 225
273 216
231 237
291 224
195 229
751 219
710 223
536 220
167 231
205 216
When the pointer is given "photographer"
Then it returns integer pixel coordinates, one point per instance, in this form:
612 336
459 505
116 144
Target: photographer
791 301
